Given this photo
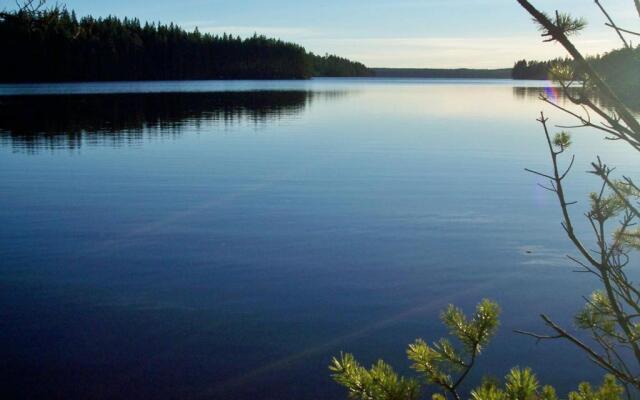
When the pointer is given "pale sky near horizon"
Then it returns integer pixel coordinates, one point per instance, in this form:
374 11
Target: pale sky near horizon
384 33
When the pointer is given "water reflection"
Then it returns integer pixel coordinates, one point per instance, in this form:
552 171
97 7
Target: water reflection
69 121
533 93
557 95
234 265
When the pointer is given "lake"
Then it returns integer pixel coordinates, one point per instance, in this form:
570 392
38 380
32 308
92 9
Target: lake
225 239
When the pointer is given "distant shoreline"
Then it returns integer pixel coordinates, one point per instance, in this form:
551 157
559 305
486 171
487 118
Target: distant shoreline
460 73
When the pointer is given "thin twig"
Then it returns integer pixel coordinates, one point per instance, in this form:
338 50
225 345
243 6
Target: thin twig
612 24
606 92
595 357
622 29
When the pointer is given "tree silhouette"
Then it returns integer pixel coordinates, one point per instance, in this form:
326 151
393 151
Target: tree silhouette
109 49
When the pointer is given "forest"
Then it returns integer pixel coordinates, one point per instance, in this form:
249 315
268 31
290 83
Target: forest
54 45
618 68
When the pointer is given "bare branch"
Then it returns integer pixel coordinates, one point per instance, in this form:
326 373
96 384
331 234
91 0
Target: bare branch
612 24
593 355
605 91
623 30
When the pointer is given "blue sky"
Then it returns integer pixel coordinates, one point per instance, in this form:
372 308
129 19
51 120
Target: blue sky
400 33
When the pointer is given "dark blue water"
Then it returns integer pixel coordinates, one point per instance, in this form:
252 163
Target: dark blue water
225 240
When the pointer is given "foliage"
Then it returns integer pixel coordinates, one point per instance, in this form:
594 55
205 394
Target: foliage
331 65
443 366
378 383
522 384
125 49
563 23
610 390
524 69
440 361
618 68
562 140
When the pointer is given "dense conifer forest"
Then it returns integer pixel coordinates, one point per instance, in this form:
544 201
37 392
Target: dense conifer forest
54 46
618 67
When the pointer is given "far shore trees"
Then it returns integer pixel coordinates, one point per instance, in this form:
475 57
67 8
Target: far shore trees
619 68
110 49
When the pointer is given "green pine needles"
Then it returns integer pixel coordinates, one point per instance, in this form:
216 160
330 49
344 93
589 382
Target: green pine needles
443 366
441 362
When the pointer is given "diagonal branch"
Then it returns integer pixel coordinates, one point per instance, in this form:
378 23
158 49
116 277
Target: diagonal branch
557 180
593 355
623 30
612 24
604 89
600 170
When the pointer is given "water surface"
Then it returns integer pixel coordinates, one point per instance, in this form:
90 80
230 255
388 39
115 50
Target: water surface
226 239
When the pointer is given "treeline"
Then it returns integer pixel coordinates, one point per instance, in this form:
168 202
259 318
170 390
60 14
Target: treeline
54 45
620 69
331 65
539 70
467 73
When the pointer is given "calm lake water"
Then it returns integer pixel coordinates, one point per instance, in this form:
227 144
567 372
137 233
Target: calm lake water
225 239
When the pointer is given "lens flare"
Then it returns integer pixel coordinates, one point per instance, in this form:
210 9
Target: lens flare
551 92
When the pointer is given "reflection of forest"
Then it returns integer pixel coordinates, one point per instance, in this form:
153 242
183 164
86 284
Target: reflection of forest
527 92
533 93
66 121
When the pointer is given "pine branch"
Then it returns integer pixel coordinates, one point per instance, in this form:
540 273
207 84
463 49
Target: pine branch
557 34
612 24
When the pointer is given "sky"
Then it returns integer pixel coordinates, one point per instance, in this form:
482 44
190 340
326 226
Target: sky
384 33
